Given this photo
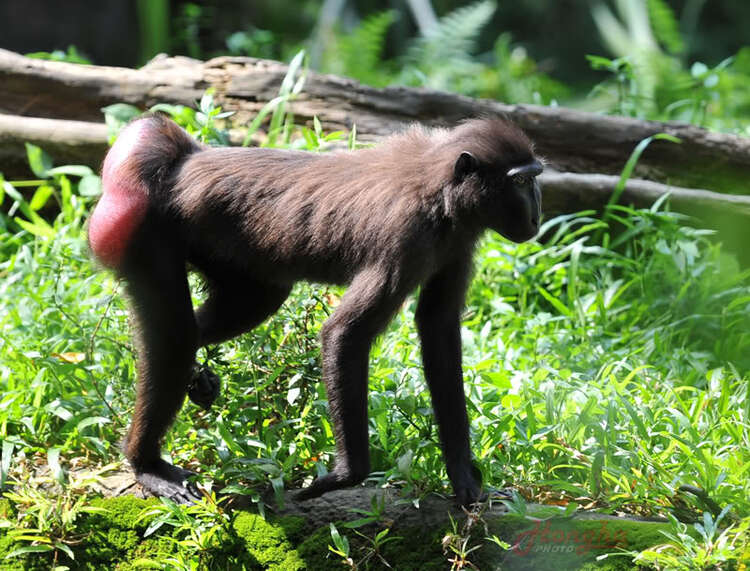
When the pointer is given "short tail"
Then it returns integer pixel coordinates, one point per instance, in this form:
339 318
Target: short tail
136 171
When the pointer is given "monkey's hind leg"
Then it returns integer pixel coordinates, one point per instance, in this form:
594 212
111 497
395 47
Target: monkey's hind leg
235 304
167 338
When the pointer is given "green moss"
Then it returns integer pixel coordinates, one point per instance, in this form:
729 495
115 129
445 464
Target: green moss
416 550
122 511
17 563
112 535
268 543
156 548
314 549
413 551
569 543
114 540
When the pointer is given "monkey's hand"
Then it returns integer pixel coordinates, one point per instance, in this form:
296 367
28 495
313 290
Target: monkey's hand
168 481
204 387
332 481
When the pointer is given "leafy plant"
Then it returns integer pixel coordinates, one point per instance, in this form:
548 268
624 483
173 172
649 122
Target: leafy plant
281 123
652 83
341 547
72 199
358 54
712 547
71 55
254 42
46 522
198 526
441 59
444 58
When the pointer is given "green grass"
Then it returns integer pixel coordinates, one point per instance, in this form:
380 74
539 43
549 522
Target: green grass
606 377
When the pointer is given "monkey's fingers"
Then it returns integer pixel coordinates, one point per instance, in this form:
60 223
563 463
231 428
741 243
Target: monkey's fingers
204 388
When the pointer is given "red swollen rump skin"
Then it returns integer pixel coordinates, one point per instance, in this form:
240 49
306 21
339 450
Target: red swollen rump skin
124 200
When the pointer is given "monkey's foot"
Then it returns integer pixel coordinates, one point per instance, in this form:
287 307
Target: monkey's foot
499 494
168 481
331 481
467 484
204 387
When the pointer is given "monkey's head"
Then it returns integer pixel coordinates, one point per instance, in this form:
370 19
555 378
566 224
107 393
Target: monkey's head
497 174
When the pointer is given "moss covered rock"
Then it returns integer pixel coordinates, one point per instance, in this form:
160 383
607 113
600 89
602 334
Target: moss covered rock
420 540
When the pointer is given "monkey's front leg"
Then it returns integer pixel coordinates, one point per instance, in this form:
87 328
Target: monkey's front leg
438 323
346 339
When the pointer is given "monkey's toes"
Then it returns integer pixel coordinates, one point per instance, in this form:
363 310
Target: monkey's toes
168 481
204 388
329 482
467 484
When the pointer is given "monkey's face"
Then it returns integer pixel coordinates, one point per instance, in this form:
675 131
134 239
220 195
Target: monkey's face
517 205
507 200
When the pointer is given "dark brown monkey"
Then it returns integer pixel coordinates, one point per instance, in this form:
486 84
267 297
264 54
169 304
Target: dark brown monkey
254 221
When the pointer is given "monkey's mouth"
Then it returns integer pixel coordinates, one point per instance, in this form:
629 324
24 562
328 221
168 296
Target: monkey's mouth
520 235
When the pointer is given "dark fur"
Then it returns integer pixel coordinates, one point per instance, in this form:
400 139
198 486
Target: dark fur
254 221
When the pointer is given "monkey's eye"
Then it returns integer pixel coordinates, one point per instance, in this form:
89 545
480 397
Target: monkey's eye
520 179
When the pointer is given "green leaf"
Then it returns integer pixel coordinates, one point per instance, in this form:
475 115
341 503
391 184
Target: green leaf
665 26
556 303
39 161
53 460
627 171
310 138
359 522
317 126
29 549
339 541
596 474
73 170
121 112
5 460
39 228
66 549
88 421
41 196
90 186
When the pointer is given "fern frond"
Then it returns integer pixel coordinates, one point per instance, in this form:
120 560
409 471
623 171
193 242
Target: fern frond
364 45
665 26
455 35
358 54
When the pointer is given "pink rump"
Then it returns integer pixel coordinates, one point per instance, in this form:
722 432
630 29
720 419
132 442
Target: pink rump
124 200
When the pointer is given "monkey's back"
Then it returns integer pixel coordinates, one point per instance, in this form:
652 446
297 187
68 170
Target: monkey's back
304 215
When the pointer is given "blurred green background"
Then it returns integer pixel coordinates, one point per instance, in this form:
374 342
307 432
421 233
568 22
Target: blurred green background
554 34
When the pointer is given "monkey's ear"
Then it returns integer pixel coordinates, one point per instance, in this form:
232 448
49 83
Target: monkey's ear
465 165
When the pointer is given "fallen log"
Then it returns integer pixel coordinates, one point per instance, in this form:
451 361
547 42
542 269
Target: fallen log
728 214
69 142
566 192
85 142
570 140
